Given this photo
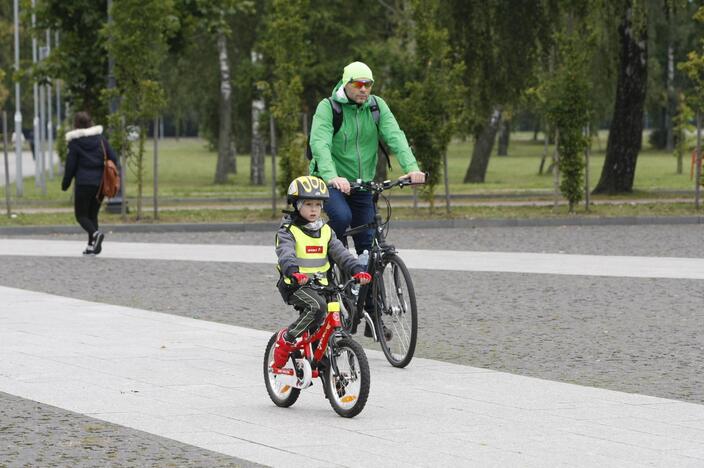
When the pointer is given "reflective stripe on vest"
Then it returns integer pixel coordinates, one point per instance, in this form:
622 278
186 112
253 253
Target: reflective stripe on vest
311 252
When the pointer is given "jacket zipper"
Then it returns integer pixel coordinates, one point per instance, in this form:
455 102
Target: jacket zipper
359 156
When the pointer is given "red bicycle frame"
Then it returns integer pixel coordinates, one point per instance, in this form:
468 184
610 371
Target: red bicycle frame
322 336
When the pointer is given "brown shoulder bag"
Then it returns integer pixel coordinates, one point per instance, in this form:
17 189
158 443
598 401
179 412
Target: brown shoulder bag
110 184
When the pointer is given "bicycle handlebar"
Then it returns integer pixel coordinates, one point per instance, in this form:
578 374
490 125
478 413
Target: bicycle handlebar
379 187
314 284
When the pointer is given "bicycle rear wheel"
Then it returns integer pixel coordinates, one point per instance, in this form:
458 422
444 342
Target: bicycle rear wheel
281 394
395 309
346 378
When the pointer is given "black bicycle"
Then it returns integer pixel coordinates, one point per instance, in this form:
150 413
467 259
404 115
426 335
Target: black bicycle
388 303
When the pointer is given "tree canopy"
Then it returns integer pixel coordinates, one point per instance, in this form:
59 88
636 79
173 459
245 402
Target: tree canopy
452 68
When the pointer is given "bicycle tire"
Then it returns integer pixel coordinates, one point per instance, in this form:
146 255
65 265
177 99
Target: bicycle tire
395 307
347 385
282 395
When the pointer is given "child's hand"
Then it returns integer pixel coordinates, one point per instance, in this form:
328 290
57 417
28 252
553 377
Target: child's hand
362 277
300 278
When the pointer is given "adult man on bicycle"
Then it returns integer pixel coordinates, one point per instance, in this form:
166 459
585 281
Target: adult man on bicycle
351 152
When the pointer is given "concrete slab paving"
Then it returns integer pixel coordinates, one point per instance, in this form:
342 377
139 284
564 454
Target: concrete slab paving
512 262
201 383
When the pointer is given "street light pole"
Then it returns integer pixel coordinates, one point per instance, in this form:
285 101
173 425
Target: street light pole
35 123
59 121
49 122
42 128
19 182
117 204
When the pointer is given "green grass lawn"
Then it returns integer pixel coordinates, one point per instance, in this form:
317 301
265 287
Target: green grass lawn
207 215
187 168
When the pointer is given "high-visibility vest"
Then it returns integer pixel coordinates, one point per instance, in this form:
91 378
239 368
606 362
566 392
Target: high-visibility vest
311 252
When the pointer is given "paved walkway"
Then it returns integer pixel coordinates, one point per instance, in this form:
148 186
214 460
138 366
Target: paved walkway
514 262
201 383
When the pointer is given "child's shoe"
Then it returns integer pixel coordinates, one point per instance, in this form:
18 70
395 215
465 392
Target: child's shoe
282 349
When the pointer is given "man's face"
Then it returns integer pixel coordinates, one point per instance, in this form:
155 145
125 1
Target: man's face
359 90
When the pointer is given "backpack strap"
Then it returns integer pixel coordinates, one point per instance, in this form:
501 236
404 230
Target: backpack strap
336 116
374 107
376 114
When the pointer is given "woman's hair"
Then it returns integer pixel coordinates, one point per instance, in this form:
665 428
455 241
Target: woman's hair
82 120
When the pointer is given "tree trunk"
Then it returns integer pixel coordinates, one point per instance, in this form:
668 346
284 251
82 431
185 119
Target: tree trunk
545 150
670 141
698 164
504 138
626 130
476 172
140 168
225 130
256 173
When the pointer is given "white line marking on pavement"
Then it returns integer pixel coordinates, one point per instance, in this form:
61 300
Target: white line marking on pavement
201 383
509 262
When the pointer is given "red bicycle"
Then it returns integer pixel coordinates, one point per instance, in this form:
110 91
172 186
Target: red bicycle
327 353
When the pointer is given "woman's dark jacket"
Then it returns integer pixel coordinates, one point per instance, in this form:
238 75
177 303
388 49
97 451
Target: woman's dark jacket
85 156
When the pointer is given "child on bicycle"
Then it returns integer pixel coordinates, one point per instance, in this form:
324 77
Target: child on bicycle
304 244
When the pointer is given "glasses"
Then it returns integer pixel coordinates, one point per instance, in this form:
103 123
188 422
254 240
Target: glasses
362 84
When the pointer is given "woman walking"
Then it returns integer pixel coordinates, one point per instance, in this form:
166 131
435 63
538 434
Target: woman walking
87 149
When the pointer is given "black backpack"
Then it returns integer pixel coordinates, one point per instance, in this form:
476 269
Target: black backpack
337 124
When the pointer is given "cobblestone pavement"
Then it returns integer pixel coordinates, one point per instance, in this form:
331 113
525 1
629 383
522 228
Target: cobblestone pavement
628 334
34 434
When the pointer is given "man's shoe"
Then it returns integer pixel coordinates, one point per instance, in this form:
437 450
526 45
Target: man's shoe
282 349
98 242
89 251
388 334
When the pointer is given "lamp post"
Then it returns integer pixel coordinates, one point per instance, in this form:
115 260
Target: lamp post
35 122
59 120
42 128
117 204
49 124
19 182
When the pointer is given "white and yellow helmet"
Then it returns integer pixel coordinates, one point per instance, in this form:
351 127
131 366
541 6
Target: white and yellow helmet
307 188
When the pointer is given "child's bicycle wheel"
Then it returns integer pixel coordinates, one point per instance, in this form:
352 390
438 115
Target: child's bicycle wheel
346 378
280 392
395 309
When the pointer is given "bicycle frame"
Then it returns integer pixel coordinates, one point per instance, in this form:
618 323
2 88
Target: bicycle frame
379 247
322 335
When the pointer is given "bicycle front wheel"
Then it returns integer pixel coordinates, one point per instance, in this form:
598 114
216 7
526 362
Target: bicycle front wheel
346 379
395 310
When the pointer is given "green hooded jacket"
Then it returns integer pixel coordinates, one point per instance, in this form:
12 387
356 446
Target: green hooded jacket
352 152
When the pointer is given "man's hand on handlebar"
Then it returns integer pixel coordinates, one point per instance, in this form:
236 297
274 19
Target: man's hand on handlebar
415 177
341 184
363 277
